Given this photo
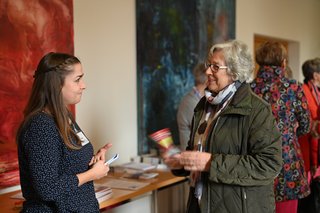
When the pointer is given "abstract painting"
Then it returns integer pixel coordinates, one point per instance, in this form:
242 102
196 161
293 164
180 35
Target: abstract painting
172 37
28 30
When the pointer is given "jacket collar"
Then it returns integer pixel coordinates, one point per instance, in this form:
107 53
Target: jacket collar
240 102
267 73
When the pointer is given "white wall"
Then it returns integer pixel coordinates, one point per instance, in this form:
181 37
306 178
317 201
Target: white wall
293 20
105 40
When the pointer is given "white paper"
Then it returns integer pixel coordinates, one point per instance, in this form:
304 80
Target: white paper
124 184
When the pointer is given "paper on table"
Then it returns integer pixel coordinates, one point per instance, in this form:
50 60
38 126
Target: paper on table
138 166
124 184
102 192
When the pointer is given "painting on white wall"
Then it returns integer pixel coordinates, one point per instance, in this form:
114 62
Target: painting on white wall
28 30
172 37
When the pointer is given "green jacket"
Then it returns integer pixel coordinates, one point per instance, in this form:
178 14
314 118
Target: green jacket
246 156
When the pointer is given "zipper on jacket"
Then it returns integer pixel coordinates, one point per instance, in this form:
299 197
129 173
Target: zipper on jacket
209 136
210 151
244 201
209 197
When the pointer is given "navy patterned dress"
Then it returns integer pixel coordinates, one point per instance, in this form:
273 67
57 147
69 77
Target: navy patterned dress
48 170
289 107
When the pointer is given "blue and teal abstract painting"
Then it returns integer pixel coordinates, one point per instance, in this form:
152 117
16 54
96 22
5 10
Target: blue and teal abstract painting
172 37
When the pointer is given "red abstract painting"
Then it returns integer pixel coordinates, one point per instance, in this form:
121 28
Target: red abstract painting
28 30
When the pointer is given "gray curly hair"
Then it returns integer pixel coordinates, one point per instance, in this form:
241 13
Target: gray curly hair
238 59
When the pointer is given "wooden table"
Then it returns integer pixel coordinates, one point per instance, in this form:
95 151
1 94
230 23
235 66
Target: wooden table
165 178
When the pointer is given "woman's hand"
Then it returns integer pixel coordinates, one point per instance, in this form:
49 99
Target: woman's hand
196 161
313 170
99 169
173 161
101 154
315 129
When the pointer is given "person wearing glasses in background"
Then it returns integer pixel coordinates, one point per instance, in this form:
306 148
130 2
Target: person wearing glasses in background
56 161
290 108
188 103
310 142
234 151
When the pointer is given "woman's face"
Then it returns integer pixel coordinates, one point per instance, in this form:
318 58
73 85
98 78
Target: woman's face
218 78
73 86
316 78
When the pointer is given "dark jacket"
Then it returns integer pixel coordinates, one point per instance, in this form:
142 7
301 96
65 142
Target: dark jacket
246 156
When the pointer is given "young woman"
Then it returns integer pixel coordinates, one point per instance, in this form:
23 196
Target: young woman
56 161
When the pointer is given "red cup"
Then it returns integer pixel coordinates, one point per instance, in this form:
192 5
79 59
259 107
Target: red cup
164 141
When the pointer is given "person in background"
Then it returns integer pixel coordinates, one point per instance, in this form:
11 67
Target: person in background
290 108
189 102
234 152
310 142
56 161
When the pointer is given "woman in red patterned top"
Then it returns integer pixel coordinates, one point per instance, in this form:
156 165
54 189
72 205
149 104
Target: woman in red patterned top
290 108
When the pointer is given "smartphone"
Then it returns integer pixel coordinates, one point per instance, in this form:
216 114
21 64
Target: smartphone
115 157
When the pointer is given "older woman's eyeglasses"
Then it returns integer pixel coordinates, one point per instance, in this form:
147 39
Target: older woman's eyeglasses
215 67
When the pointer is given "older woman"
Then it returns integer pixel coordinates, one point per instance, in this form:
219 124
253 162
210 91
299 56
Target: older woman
234 152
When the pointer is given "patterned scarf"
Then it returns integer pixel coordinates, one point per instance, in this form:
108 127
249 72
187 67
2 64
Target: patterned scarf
223 95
